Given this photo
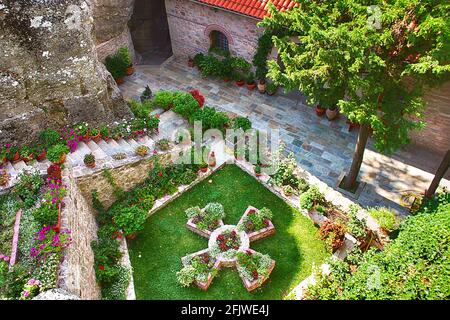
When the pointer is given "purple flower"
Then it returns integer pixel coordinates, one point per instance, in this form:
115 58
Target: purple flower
26 293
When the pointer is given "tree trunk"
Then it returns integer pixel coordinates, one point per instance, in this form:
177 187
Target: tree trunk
350 180
443 167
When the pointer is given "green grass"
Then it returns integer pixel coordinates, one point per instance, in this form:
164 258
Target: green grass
165 239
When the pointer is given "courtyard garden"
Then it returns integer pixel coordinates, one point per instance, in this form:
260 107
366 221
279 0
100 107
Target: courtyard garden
156 253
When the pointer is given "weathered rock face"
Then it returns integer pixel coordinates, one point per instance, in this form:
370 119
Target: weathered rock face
49 72
111 26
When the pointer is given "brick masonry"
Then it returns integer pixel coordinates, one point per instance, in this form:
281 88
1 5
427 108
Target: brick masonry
190 24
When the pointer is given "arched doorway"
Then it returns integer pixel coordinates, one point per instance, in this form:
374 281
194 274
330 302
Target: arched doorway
150 31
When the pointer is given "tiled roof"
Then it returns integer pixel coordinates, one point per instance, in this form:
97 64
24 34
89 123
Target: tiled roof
253 8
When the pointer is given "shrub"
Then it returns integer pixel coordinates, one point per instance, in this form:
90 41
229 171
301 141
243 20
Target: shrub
28 187
196 268
140 109
242 123
198 59
214 211
185 105
117 289
48 242
49 137
256 220
193 212
385 217
164 99
125 56
117 65
163 144
355 226
130 219
333 234
253 266
285 174
210 66
311 197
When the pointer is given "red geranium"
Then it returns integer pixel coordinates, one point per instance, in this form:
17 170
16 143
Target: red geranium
255 274
160 174
197 96
101 268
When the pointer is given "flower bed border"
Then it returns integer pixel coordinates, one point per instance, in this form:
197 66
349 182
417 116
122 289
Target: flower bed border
252 285
259 234
203 285
203 233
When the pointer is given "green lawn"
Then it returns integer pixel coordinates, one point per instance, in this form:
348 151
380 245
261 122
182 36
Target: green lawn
155 254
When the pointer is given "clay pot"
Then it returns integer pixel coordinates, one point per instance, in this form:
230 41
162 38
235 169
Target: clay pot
320 111
41 157
130 70
29 158
240 83
16 157
205 169
332 114
86 138
97 137
91 165
261 87
120 81
62 159
251 87
212 159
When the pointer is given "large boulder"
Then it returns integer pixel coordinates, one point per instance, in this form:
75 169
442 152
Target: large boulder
50 75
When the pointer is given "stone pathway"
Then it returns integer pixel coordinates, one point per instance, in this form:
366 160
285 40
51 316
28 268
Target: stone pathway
323 148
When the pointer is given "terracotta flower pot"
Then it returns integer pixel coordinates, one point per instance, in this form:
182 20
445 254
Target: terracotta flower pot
62 159
29 158
130 71
120 81
332 114
251 87
86 138
205 169
240 83
91 165
16 157
41 157
261 87
97 137
320 111
212 160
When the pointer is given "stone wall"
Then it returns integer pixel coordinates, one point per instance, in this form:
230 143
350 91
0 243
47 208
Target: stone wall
435 137
49 72
111 26
191 23
77 274
126 177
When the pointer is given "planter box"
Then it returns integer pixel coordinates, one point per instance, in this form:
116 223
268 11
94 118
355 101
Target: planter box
202 285
260 234
252 285
204 233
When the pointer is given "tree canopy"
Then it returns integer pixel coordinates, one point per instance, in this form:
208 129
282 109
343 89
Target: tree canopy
372 58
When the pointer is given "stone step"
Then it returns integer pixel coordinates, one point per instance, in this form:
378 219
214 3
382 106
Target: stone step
74 159
20 166
146 140
106 148
82 149
42 166
97 151
133 143
125 146
10 169
115 146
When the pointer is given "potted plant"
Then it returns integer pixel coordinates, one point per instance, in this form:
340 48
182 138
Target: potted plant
212 159
190 62
89 160
262 86
257 169
238 79
95 134
271 88
146 94
105 132
54 172
4 177
332 112
83 131
320 111
126 58
288 190
49 137
13 154
131 220
141 151
163 144
41 152
203 166
26 154
57 154
251 81
116 65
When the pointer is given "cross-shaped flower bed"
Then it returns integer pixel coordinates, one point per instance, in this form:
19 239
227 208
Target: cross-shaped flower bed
228 246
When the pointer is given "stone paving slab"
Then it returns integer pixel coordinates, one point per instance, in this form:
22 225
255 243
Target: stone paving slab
323 148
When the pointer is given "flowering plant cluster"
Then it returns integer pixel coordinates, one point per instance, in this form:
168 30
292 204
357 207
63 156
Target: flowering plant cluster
31 289
72 139
47 212
228 240
197 268
197 96
208 218
253 266
256 220
48 242
4 258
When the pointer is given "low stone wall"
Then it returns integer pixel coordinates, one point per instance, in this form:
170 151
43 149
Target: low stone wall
77 274
126 176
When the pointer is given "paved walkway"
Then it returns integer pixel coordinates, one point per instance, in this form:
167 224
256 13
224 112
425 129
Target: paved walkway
322 147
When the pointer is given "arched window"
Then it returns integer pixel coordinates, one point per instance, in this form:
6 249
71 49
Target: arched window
219 41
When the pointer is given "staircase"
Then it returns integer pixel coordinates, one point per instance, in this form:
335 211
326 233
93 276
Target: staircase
103 151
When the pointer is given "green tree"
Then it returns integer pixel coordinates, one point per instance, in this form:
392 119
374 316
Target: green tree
372 58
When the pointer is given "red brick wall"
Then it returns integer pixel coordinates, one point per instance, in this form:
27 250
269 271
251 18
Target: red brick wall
436 134
190 24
